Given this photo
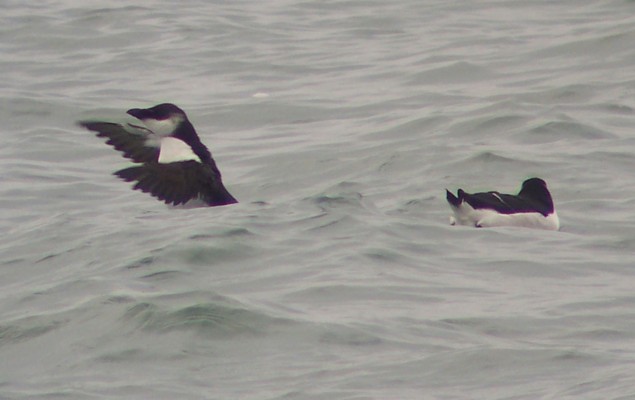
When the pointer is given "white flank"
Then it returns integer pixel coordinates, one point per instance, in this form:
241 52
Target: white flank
464 214
164 127
174 150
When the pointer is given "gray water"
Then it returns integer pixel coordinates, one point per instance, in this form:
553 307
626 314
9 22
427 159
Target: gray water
338 125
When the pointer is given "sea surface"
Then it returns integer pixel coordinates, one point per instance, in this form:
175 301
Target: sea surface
338 124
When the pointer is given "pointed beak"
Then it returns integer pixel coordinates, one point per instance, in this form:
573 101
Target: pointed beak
138 113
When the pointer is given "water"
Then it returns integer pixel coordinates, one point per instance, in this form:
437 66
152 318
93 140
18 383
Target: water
338 125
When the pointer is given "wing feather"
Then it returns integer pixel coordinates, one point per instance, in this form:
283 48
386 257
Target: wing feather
136 146
174 183
502 203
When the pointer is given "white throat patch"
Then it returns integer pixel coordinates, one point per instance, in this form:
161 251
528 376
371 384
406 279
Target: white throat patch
175 150
164 127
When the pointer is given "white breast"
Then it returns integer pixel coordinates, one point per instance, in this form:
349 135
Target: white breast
466 215
174 150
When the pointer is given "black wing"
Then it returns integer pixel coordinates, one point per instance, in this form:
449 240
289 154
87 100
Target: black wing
502 203
178 182
136 146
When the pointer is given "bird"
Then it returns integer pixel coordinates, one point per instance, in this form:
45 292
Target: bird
532 207
172 164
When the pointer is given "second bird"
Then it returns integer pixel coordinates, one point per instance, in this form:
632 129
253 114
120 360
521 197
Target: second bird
532 207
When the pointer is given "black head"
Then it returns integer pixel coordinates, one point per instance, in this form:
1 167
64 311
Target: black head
164 119
159 112
536 189
534 184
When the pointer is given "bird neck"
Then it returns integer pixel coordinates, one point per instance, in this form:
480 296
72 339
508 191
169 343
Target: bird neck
186 133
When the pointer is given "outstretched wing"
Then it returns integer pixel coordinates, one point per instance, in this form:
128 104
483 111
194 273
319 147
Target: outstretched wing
178 182
138 146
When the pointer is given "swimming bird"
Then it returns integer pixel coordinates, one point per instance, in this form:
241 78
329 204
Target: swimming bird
173 164
532 207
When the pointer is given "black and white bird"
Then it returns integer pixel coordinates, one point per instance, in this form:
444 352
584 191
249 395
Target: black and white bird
532 207
174 166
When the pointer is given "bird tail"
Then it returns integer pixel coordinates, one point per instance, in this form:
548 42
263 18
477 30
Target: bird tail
219 197
454 201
